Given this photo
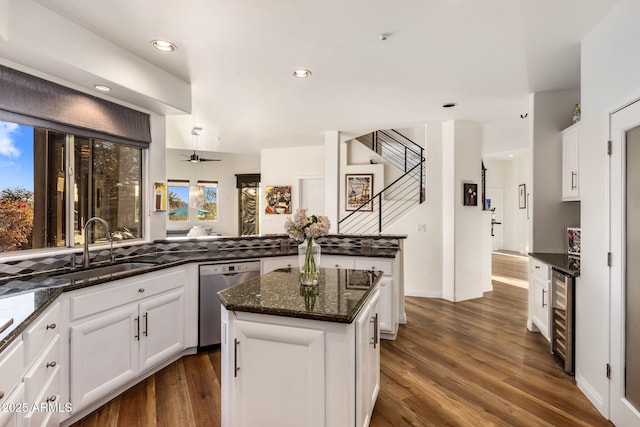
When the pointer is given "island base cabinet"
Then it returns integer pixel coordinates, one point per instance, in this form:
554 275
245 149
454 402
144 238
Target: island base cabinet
283 371
278 376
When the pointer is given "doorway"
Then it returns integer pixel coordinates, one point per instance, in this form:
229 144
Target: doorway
312 195
625 274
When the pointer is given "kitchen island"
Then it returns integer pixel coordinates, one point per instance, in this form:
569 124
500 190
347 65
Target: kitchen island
301 356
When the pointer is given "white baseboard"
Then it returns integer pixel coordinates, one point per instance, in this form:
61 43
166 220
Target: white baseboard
594 397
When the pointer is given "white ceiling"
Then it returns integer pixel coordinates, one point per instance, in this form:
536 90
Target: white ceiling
238 57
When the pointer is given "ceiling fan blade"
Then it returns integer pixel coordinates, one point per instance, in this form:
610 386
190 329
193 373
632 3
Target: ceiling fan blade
209 160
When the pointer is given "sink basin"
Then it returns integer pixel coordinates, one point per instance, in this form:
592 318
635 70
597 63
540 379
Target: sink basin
105 271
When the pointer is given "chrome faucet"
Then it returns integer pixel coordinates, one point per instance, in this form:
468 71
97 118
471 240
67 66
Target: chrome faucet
85 256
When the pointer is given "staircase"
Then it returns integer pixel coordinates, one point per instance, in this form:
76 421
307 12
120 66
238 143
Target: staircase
397 198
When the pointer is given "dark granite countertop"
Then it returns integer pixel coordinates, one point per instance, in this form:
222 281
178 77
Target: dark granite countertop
339 295
562 262
41 282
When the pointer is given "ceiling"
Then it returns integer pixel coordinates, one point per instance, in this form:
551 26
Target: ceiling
238 58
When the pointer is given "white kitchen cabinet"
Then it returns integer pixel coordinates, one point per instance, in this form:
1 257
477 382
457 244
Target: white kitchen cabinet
368 361
111 344
14 407
269 264
283 371
539 296
334 261
389 293
571 163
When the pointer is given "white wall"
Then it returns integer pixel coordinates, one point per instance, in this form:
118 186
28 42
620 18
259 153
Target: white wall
610 70
510 134
155 225
550 113
285 166
224 172
423 251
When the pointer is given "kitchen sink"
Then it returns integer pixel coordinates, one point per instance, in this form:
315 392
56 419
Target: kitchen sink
105 271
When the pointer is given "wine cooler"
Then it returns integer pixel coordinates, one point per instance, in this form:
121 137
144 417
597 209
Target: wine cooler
562 319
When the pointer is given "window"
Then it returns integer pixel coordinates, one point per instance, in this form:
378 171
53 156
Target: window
43 206
178 197
198 202
208 193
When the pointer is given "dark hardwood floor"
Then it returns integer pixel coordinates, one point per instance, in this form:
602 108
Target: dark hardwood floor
470 363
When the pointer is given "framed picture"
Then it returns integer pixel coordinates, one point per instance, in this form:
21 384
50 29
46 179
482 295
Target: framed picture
470 194
573 241
359 189
522 196
277 200
159 197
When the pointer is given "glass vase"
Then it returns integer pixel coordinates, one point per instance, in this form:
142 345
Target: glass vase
309 262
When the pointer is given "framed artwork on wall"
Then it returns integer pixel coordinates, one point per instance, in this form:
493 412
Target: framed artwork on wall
277 200
358 191
522 196
470 194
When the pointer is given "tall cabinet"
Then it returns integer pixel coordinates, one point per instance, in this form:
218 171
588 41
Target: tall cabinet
571 163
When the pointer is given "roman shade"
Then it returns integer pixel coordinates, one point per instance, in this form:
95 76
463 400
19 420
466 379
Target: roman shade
30 100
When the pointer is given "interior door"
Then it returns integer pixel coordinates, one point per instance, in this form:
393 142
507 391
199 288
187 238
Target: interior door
312 195
625 274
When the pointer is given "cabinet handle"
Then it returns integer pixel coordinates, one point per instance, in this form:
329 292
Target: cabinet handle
573 175
137 335
374 320
543 303
288 265
537 267
52 398
51 364
146 324
235 357
141 290
51 326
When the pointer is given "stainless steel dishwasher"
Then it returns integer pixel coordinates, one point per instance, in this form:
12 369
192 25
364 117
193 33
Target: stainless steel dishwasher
213 279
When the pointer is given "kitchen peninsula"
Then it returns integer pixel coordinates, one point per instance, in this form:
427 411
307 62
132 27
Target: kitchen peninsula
301 355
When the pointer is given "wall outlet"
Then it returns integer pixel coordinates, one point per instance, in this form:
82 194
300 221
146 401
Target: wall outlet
421 228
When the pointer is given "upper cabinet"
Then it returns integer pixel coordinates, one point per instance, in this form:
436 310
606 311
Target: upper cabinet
571 163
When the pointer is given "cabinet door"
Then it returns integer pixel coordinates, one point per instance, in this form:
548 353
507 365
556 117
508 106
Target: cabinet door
540 312
103 354
15 405
367 361
279 370
387 315
162 328
570 164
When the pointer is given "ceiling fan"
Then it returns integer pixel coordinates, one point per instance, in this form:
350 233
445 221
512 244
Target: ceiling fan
194 158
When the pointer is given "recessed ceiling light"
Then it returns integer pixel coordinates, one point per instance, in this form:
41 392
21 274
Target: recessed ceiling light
102 88
449 105
301 73
163 45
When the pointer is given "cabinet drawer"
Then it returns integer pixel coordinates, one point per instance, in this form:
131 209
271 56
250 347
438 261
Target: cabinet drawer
47 406
328 261
539 268
375 264
14 406
270 264
42 368
120 292
37 335
11 366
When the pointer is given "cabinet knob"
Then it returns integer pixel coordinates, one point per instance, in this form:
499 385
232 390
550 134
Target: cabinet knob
337 265
141 290
51 326
51 398
537 267
288 265
51 364
1 394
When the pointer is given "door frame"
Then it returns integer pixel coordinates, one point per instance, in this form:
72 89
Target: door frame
621 411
